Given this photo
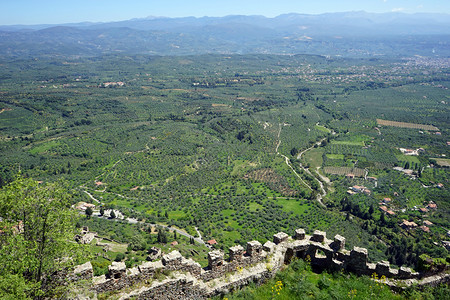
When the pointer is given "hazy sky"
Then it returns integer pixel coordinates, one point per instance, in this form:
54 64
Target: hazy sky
66 11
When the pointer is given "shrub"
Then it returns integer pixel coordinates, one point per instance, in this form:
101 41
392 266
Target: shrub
119 257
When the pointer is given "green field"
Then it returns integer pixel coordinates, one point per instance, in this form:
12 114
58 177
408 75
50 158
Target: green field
335 156
314 157
44 147
291 205
323 128
408 158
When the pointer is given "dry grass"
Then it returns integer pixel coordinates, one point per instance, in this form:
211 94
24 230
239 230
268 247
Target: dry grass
443 162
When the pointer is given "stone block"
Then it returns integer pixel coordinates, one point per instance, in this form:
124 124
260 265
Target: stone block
382 268
338 243
87 238
154 254
215 259
358 260
336 265
99 280
393 273
117 270
133 272
191 266
268 246
254 248
299 234
236 253
172 259
280 237
404 272
371 268
318 236
359 252
84 271
148 268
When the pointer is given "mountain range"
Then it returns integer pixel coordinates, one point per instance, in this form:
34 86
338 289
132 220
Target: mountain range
346 34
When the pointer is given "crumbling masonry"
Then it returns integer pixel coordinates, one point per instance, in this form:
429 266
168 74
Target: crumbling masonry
188 280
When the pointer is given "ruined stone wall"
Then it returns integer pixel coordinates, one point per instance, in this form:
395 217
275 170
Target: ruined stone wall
178 289
256 264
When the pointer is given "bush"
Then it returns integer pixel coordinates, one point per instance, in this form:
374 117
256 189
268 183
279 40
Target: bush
119 257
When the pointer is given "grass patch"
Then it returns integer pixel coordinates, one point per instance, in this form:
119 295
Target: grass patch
314 157
44 147
227 212
323 128
350 143
335 156
177 214
241 166
296 206
354 140
254 206
408 158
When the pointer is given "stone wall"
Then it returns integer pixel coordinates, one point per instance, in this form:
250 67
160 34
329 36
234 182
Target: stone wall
187 280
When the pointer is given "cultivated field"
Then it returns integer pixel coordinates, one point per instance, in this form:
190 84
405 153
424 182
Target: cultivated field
273 180
442 162
406 125
345 170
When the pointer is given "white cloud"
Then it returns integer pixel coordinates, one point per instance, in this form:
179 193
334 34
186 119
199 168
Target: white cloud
398 9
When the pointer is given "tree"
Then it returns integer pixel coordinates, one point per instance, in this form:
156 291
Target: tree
294 151
112 215
162 236
119 257
89 212
371 210
382 219
38 228
102 211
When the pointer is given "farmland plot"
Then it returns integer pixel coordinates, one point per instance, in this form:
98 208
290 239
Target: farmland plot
345 170
406 125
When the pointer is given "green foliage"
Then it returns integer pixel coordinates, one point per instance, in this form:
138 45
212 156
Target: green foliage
39 226
89 212
119 257
298 282
191 142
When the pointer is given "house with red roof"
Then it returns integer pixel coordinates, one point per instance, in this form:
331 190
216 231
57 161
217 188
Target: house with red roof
211 242
432 206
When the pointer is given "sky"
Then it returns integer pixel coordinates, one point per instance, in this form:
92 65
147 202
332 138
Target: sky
27 12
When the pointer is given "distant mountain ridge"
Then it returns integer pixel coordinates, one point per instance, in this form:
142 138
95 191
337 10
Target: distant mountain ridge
346 33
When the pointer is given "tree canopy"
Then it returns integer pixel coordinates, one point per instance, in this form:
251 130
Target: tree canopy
36 237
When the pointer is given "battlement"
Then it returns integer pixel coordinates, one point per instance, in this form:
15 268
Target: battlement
257 263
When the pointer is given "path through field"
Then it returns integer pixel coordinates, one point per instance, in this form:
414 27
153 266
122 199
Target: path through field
323 192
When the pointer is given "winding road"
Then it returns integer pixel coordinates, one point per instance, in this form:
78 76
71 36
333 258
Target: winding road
322 189
323 192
